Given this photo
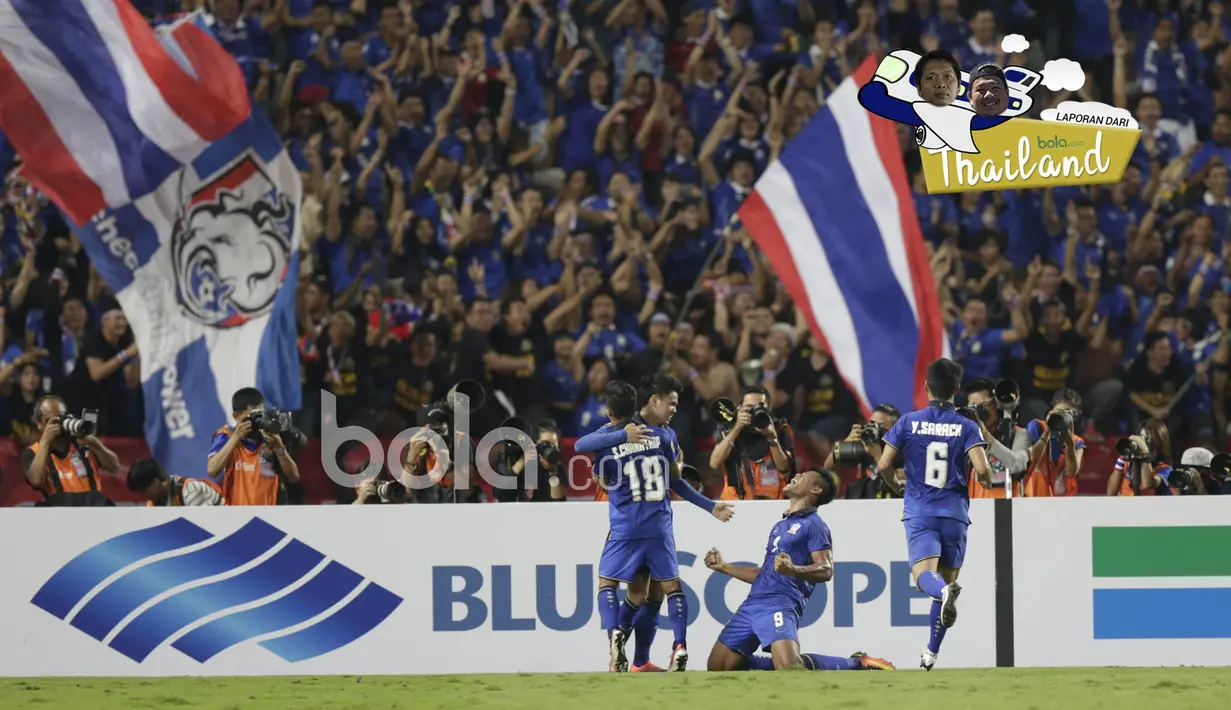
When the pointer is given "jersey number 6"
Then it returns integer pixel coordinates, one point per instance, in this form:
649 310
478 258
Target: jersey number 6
936 473
646 484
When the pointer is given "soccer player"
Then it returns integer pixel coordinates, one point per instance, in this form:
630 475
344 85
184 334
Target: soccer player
637 477
936 443
798 557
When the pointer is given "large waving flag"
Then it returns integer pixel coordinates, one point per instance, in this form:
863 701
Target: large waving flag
835 217
181 193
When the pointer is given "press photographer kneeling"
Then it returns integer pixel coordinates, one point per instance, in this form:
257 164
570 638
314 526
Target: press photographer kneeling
531 467
64 464
862 449
993 406
756 452
447 482
250 461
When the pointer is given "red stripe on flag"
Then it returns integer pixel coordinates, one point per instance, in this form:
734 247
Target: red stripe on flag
48 164
927 302
215 101
764 229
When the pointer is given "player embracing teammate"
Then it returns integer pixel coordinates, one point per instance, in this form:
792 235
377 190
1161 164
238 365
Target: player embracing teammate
639 464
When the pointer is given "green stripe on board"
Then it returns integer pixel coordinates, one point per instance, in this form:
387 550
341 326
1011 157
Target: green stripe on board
1194 551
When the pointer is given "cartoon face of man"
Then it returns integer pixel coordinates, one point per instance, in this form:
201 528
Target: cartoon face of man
989 96
938 82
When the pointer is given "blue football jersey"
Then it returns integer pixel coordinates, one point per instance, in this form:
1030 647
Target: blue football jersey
934 443
798 534
638 481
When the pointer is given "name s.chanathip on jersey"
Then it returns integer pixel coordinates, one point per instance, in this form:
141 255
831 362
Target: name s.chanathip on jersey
638 479
934 443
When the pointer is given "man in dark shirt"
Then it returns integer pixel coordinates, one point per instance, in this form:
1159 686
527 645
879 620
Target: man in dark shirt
829 408
648 361
1051 351
420 380
106 376
516 339
477 360
1154 383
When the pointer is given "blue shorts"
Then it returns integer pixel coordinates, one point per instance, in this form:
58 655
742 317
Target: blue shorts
759 627
936 537
623 559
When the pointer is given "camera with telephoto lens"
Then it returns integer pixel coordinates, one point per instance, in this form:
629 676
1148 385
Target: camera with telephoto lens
761 417
270 421
390 491
1185 481
439 415
872 433
1131 450
79 426
549 453
971 413
1061 423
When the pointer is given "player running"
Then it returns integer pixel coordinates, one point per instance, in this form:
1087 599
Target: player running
637 476
936 442
798 557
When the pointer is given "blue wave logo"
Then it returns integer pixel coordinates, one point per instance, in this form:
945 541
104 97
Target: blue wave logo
181 585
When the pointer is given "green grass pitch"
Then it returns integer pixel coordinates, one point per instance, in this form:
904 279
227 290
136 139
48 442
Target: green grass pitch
995 689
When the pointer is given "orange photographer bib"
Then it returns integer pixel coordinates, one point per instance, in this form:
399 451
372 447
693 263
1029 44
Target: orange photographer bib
75 473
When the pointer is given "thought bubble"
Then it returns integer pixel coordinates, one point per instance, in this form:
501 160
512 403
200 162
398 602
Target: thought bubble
1013 44
1090 113
1063 75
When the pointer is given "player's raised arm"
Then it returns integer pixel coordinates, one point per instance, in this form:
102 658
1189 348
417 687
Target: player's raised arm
819 572
606 438
718 508
744 573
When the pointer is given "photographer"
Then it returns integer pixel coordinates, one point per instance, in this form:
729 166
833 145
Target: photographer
757 454
149 479
547 483
1008 445
1056 454
861 450
1193 477
420 459
250 460
64 464
1143 468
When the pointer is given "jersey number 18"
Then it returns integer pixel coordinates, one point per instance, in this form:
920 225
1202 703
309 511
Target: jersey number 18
647 483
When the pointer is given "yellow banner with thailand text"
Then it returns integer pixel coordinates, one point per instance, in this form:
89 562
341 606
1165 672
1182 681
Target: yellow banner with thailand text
1026 153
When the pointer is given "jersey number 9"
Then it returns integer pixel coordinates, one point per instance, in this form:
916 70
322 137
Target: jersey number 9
647 483
936 472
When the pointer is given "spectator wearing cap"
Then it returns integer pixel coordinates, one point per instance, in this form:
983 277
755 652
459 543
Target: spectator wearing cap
989 92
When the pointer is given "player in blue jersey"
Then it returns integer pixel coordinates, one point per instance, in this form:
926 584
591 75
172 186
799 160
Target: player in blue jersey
798 557
637 476
937 444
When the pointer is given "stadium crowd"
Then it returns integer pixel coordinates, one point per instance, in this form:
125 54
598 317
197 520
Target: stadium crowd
541 197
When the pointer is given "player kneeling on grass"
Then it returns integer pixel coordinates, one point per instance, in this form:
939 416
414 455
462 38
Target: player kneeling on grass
799 556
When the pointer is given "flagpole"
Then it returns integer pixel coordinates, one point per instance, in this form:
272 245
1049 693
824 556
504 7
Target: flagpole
696 286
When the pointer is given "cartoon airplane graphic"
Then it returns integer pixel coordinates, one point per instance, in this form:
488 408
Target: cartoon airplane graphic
892 94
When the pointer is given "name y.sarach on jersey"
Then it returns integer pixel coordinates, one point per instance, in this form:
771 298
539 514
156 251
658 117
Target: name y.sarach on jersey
942 429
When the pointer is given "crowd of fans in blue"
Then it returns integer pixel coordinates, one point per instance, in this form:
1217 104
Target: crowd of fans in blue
541 196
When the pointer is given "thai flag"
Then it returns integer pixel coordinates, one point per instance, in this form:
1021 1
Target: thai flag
180 192
835 217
